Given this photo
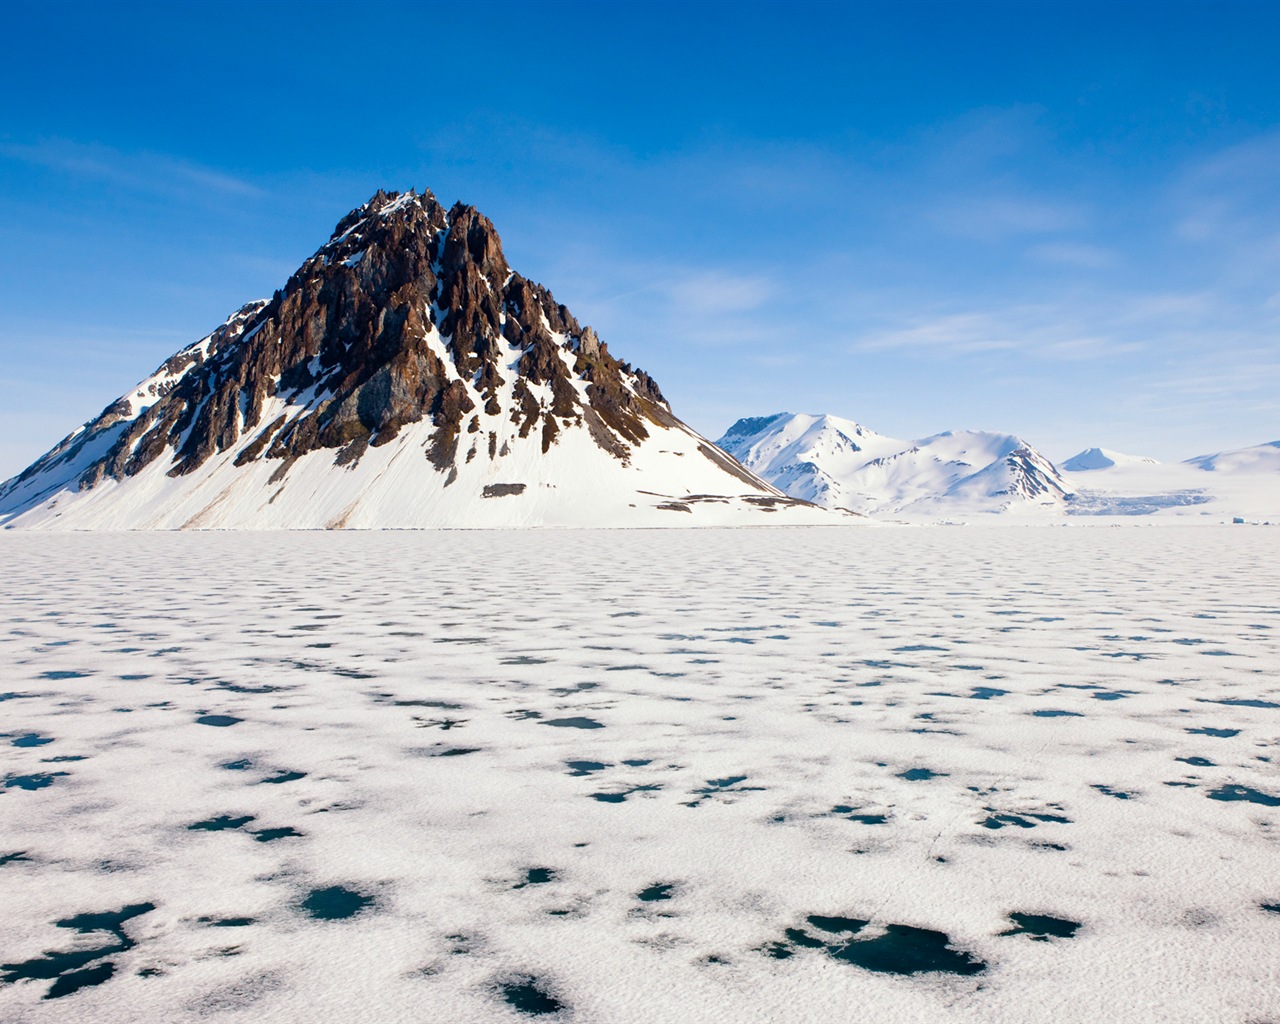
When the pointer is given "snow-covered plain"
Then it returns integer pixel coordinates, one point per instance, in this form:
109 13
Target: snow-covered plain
738 775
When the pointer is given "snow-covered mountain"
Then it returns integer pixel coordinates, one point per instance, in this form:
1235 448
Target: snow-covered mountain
1258 458
841 464
405 376
1241 483
1103 458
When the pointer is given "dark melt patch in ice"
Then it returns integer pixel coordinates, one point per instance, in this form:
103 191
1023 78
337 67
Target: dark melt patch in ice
242 688
237 766
456 751
462 944
585 767
657 892
63 674
38 780
853 814
1253 796
9 858
442 705
1042 927
621 797
900 949
64 758
1273 908
576 722
14 696
1210 731
1198 762
913 648
32 739
986 692
536 876
73 981
1119 794
1056 713
335 903
218 721
524 659
1112 694
282 777
998 819
920 774
70 970
226 922
443 724
221 823
529 995
270 835
723 787
1240 702
837 925
637 762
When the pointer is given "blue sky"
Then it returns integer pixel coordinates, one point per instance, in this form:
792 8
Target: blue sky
1057 220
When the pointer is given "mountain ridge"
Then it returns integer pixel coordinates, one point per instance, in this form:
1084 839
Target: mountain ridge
840 463
406 329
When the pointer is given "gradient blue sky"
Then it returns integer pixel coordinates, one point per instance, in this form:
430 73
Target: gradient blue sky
1057 220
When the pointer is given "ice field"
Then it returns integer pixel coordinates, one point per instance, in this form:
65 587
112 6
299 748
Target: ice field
1022 774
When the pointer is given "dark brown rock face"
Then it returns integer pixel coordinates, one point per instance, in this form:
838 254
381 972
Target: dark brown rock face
409 313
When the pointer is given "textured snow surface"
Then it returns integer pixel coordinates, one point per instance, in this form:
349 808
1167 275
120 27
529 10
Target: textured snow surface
738 775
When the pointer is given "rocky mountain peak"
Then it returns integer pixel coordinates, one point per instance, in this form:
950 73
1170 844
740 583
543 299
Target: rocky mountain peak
408 313
405 376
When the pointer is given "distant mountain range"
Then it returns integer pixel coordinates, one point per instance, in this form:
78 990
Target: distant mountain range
404 376
839 463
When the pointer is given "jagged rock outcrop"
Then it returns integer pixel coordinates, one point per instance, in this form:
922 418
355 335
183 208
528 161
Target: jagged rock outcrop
408 320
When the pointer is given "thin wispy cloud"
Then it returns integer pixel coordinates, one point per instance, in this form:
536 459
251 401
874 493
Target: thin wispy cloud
140 171
1074 254
996 218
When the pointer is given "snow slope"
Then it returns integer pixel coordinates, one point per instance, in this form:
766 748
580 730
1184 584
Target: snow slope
838 463
1259 458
